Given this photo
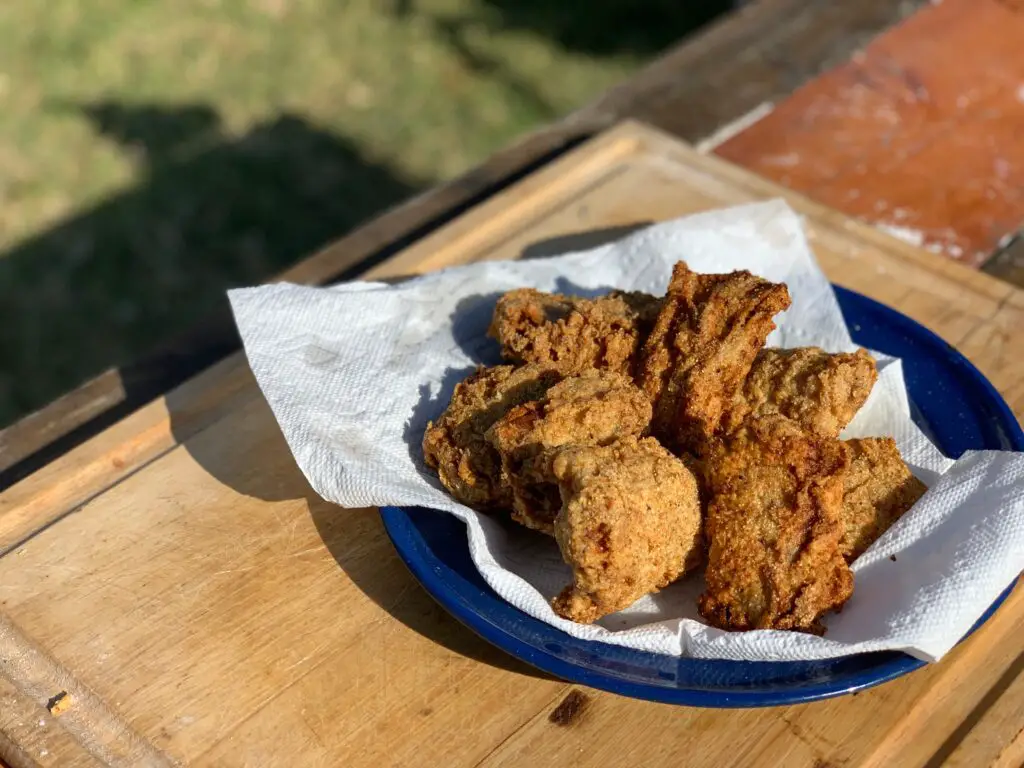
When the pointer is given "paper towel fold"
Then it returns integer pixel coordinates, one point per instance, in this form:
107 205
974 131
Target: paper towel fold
353 374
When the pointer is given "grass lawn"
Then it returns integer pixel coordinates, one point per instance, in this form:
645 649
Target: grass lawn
153 154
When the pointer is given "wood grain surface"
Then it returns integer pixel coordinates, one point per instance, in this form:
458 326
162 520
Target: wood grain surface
178 580
752 57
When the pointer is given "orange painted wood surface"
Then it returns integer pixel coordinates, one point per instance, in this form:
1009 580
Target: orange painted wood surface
922 132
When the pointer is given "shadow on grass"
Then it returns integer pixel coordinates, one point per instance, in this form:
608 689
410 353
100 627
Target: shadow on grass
213 210
591 27
210 211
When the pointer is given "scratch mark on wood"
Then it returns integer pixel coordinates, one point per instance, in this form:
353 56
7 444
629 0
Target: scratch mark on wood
307 657
570 711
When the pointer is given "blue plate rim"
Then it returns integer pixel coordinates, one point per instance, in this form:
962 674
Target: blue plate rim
424 566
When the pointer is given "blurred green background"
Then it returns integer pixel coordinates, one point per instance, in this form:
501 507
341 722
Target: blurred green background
153 154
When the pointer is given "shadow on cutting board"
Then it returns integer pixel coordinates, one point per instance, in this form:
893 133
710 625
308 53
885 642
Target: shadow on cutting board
245 450
258 464
580 241
401 596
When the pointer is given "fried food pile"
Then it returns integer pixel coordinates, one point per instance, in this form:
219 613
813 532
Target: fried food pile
656 437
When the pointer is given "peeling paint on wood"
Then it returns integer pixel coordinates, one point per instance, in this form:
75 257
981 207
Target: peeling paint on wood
920 132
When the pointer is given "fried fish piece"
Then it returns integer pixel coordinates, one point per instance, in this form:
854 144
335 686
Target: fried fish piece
878 489
455 445
591 408
704 341
820 391
573 333
630 524
773 528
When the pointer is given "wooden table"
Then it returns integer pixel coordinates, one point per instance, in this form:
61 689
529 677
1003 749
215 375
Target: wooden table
171 590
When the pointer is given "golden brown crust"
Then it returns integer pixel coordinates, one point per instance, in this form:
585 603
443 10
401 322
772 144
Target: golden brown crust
572 333
630 524
455 444
644 305
593 408
701 348
878 489
773 528
819 390
558 442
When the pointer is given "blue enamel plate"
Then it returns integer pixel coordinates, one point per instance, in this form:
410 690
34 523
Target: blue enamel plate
953 403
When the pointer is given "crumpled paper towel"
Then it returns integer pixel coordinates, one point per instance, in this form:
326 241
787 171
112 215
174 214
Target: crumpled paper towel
354 372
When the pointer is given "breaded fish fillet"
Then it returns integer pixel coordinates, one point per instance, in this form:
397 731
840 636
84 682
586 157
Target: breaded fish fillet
705 339
629 525
878 489
820 391
455 445
773 528
572 333
592 408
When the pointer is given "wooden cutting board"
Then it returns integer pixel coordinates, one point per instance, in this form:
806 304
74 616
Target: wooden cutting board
179 585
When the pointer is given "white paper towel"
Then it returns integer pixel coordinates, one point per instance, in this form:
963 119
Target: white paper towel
354 372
